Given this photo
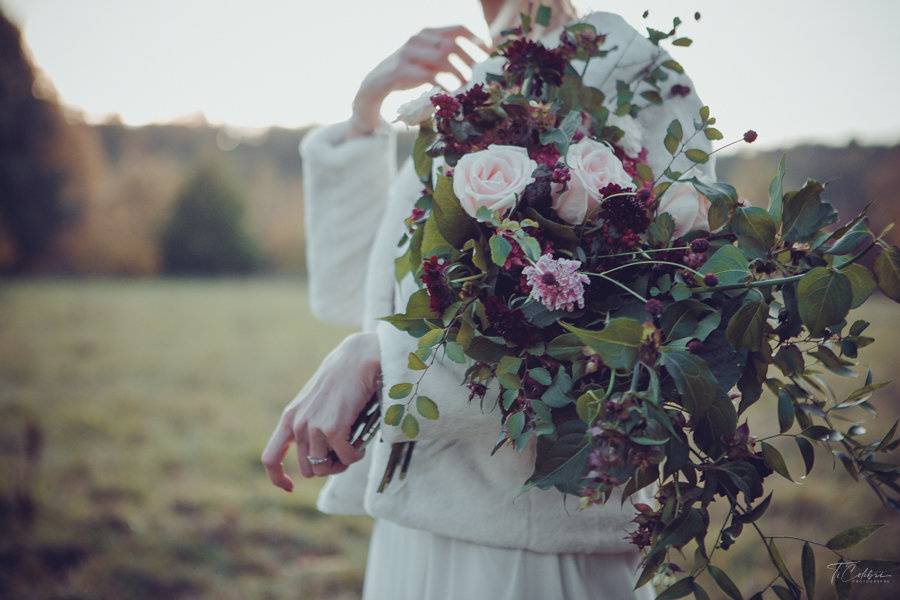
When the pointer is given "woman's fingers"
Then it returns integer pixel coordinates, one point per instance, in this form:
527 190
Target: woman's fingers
318 449
345 451
302 439
273 456
456 31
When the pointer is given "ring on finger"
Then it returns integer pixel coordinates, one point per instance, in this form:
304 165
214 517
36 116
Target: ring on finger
316 460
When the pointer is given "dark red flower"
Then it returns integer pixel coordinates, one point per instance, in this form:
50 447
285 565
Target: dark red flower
434 276
507 322
750 136
473 98
547 154
625 211
526 57
446 106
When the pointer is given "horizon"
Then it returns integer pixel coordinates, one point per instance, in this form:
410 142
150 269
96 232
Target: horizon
182 60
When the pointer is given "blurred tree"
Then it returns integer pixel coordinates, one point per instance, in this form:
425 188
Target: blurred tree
205 234
36 166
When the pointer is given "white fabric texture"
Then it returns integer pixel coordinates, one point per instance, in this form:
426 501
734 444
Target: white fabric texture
355 204
411 564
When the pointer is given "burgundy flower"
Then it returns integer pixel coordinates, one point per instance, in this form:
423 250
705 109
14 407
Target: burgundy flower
507 322
625 212
446 106
434 276
526 57
546 155
473 98
750 136
561 174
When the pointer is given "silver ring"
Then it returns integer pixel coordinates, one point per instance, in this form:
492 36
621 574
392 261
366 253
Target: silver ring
315 460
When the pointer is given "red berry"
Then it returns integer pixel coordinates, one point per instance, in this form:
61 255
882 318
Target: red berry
750 136
710 280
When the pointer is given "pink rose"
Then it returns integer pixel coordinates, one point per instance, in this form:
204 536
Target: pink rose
688 207
593 166
492 178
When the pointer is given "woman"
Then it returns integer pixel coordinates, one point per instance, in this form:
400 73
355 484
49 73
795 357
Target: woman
458 526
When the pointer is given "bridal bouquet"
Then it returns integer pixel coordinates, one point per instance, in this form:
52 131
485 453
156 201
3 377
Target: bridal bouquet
626 319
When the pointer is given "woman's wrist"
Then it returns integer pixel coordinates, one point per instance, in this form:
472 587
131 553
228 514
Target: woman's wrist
366 114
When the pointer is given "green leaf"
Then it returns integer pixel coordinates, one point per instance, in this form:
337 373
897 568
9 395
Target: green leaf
565 347
861 283
485 350
748 327
824 297
542 17
696 155
556 395
852 239
776 192
455 225
804 214
756 512
688 319
541 375
617 343
807 452
713 134
755 230
778 561
410 426
421 160
662 229
808 567
785 411
728 264
675 130
682 41
887 272
673 65
418 310
427 407
561 462
393 414
851 537
695 382
774 459
414 363
679 589
724 582
500 249
400 390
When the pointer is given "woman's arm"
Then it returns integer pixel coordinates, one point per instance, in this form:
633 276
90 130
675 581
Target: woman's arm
348 168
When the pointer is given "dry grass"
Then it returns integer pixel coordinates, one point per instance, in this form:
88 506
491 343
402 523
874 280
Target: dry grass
132 415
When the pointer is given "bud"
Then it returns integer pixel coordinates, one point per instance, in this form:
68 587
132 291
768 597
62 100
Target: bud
700 245
654 307
695 346
710 280
750 136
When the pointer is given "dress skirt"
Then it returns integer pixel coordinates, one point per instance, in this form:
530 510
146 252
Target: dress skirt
411 564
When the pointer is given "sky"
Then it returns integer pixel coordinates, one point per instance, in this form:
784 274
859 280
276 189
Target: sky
799 70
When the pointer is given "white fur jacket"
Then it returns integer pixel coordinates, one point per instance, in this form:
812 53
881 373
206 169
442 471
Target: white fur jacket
355 203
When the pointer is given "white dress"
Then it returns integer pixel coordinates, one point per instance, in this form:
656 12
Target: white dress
412 564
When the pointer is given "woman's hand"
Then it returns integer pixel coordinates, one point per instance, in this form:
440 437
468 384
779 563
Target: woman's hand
417 61
319 419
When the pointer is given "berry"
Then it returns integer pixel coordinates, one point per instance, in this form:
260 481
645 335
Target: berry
710 280
750 136
700 245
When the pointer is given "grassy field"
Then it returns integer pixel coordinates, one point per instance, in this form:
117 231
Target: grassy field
132 416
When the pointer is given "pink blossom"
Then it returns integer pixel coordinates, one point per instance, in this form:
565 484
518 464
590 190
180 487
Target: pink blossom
556 282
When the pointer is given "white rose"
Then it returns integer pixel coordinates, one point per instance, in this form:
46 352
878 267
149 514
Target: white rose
633 139
688 207
593 166
492 178
416 111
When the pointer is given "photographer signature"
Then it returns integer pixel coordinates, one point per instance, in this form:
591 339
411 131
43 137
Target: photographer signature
849 572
